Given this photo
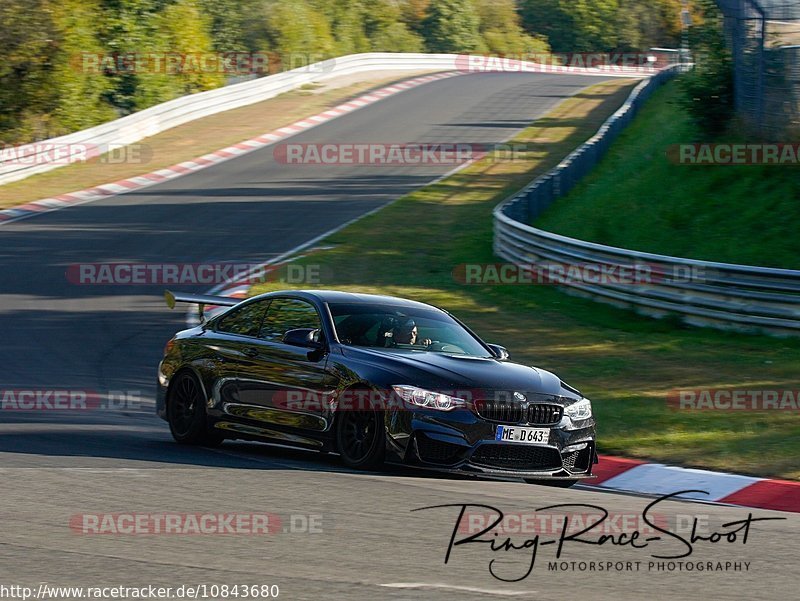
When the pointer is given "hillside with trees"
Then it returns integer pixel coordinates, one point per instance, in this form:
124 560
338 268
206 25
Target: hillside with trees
46 89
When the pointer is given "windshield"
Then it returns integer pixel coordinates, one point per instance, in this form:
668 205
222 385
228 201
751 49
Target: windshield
400 328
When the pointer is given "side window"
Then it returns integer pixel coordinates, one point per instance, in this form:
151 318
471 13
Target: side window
244 321
287 314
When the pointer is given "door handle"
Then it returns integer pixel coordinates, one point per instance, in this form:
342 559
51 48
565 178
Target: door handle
250 351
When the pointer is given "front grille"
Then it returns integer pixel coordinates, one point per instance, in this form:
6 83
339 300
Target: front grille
521 457
538 414
499 411
436 451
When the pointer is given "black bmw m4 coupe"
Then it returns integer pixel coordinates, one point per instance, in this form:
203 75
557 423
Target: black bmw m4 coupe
373 378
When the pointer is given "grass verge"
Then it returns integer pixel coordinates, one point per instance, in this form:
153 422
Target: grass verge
730 213
193 139
626 363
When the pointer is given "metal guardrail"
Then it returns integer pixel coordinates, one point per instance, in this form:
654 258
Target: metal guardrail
156 119
722 295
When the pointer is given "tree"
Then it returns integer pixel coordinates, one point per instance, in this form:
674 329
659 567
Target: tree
228 23
80 94
386 30
502 32
346 20
184 29
297 32
127 28
452 26
413 13
27 48
573 25
44 91
708 88
603 25
641 26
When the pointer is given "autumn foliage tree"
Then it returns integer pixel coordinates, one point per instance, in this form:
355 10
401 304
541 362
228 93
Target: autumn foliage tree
46 91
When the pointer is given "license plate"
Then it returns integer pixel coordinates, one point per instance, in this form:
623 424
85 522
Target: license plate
522 435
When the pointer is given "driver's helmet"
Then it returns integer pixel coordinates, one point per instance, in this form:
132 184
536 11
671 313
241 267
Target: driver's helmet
402 332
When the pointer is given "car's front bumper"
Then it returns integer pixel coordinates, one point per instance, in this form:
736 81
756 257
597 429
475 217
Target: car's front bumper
462 441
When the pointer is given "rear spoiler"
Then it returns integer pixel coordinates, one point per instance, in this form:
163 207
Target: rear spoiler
201 300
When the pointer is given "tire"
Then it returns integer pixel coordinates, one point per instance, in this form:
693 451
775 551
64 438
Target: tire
361 439
554 483
186 412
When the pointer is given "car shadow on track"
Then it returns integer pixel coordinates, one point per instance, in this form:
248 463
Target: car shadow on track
139 440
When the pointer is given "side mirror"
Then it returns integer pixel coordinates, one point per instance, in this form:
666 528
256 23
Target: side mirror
498 351
304 337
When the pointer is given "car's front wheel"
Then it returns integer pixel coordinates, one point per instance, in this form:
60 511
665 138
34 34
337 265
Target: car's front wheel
361 439
186 413
555 483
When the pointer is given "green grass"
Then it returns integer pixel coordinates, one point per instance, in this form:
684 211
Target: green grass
626 363
639 199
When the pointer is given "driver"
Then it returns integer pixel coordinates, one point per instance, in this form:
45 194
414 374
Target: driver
406 333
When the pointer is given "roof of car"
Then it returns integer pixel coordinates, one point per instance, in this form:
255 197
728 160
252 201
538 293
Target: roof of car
338 296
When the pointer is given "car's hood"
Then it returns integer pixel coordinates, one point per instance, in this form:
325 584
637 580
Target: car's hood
457 372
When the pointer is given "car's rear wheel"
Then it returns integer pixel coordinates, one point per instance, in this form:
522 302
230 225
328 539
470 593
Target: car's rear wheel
186 412
361 439
555 483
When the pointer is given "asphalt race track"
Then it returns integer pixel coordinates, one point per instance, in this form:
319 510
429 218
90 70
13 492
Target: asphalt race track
340 534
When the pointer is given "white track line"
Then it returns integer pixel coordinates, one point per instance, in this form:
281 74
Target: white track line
453 587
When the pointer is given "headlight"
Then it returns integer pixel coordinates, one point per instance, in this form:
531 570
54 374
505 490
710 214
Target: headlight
427 398
580 410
